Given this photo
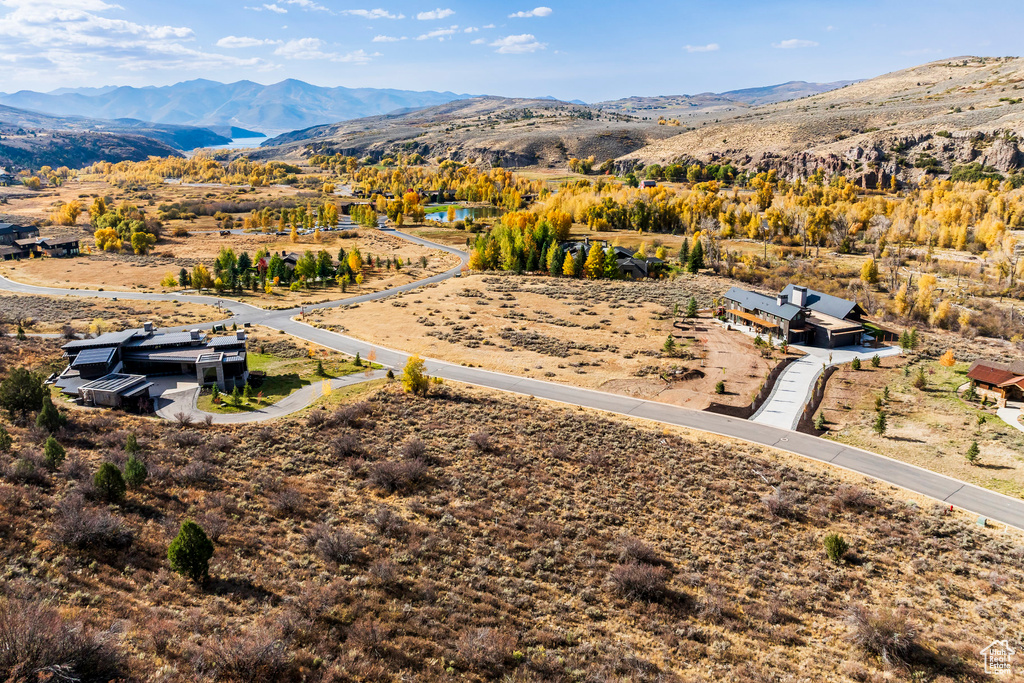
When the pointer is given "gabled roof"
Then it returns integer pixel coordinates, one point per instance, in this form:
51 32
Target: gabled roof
57 241
218 342
995 373
759 302
825 303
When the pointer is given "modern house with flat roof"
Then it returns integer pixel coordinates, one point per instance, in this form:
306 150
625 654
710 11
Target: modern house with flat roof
798 315
148 353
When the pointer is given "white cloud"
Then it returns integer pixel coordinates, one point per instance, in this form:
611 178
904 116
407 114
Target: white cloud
313 48
535 12
470 29
435 14
518 45
372 14
441 33
269 7
388 39
308 5
710 47
233 42
479 41
794 43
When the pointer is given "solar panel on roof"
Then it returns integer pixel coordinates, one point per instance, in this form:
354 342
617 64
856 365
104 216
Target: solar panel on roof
94 357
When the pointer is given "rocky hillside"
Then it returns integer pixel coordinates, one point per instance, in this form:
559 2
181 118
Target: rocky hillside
76 149
514 132
927 119
701 106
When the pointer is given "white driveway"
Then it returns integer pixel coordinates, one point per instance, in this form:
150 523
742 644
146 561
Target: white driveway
786 403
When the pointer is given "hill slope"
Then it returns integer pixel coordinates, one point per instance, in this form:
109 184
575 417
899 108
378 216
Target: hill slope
519 132
284 106
32 139
875 128
372 543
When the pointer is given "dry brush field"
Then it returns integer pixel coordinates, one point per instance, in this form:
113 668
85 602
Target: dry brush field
474 536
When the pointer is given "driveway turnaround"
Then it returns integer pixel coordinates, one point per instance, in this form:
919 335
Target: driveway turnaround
941 488
173 403
793 388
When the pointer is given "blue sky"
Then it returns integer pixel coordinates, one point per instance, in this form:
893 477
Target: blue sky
572 49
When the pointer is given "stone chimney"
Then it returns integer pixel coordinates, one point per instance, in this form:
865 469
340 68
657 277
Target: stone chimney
800 296
782 299
240 335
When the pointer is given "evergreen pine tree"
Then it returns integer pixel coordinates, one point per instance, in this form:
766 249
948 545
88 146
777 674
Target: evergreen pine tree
684 251
670 345
691 308
49 417
109 483
53 453
611 265
131 444
555 258
135 472
358 362
973 453
190 552
5 440
880 423
696 260
579 261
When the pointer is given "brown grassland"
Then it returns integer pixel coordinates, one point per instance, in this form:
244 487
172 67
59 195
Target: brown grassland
474 536
931 427
53 314
606 335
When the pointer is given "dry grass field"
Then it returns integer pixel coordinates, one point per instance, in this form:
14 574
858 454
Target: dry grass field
599 335
931 428
52 314
125 271
480 537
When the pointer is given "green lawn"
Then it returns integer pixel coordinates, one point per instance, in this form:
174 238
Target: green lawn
441 208
284 376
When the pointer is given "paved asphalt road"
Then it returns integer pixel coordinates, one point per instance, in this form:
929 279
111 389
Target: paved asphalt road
945 489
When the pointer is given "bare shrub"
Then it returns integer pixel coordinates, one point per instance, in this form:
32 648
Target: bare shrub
75 467
886 633
265 435
37 644
254 655
81 527
640 581
849 497
632 549
27 470
317 418
350 415
196 473
371 636
208 420
482 442
214 523
222 443
287 501
392 476
387 522
780 503
187 440
386 575
183 419
346 446
712 603
335 545
414 449
486 648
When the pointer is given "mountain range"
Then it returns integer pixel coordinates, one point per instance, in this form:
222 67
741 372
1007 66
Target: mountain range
270 109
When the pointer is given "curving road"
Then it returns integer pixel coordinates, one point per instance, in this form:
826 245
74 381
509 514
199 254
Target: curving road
939 487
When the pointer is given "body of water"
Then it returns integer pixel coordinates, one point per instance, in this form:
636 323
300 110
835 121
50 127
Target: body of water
474 212
240 143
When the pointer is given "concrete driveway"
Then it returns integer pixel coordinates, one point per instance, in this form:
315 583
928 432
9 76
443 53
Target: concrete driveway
793 389
180 398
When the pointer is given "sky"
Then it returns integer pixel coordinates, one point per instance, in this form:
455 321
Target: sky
591 50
